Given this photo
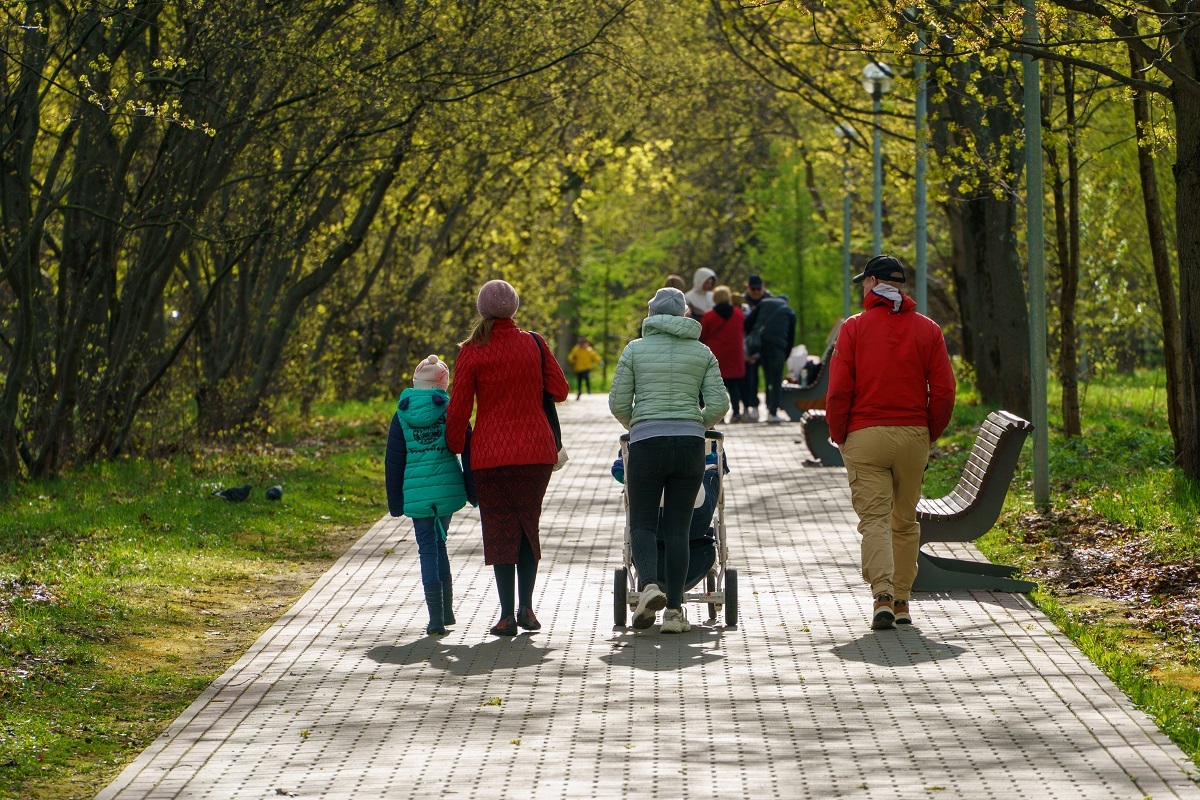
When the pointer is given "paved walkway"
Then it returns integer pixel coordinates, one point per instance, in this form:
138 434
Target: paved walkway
345 697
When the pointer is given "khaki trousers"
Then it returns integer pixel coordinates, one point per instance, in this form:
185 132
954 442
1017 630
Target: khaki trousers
885 465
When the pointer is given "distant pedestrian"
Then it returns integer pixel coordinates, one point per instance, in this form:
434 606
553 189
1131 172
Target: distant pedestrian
656 392
771 333
891 393
721 331
425 482
756 292
674 281
582 359
501 373
700 299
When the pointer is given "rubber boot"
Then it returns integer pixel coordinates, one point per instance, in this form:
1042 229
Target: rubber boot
448 602
433 600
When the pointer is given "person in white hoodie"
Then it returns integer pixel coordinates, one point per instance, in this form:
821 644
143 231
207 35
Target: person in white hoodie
700 298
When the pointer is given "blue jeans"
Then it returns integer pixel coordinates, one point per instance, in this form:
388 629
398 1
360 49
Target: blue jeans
435 564
670 468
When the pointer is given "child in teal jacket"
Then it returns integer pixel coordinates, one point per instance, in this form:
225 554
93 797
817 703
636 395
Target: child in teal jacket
425 482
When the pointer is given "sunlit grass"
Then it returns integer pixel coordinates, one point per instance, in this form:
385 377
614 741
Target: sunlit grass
127 587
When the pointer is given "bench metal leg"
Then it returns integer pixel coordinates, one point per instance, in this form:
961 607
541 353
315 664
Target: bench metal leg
938 574
816 437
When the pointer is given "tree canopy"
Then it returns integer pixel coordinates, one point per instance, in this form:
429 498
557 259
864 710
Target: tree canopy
212 208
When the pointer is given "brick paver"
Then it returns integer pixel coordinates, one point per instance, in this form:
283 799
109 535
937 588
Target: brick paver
345 697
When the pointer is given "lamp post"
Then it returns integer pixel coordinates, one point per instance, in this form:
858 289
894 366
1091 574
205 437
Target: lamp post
1037 269
846 134
877 80
921 208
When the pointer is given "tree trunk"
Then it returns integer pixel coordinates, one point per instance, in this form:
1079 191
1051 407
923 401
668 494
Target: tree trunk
1068 354
1187 226
983 219
19 124
1062 247
991 299
1172 357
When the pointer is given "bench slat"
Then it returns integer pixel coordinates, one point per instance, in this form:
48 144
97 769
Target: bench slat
957 516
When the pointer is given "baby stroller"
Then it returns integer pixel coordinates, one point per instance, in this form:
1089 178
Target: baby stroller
709 561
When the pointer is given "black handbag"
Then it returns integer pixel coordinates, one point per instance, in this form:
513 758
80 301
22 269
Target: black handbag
548 404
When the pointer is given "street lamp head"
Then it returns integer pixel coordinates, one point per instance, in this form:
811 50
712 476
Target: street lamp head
844 130
877 78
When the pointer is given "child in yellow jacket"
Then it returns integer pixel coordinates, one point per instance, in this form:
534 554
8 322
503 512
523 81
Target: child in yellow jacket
583 359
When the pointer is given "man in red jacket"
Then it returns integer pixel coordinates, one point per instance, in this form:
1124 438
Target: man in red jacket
891 393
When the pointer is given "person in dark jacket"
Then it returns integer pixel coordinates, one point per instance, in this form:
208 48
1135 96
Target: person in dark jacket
891 393
425 482
756 292
772 333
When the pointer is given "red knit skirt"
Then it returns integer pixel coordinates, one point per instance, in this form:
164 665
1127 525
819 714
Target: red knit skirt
510 505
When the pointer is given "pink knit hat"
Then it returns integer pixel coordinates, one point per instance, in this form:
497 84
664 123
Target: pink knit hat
432 373
497 300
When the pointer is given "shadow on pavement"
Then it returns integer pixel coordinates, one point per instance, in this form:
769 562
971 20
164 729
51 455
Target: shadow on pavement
896 648
652 651
518 652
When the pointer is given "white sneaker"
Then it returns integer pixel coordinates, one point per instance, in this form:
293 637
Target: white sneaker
650 603
776 419
753 413
675 621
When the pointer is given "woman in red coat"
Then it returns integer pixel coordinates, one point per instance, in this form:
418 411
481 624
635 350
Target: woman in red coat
501 368
721 328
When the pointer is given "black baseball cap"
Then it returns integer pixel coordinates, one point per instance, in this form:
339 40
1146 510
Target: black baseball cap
754 282
883 267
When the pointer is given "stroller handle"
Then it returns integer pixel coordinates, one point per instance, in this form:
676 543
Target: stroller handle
716 436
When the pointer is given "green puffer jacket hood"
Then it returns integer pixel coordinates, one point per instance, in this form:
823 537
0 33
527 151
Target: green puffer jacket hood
662 375
433 480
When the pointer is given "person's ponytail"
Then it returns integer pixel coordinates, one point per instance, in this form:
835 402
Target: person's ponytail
481 332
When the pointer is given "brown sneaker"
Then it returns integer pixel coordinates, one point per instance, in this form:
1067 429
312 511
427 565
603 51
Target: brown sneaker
900 609
882 616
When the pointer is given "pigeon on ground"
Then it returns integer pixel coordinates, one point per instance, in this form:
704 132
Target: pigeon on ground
275 493
235 494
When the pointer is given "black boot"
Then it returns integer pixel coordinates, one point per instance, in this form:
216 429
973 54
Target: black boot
448 602
433 600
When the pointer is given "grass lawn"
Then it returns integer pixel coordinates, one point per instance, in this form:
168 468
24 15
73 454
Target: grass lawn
126 588
1117 556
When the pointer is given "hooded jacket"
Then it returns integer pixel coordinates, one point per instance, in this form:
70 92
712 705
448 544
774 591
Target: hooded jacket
699 300
661 375
889 368
423 478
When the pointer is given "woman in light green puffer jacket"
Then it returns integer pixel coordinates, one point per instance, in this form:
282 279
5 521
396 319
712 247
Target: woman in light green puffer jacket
656 393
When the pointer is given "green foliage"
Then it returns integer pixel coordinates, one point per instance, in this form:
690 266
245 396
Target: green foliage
792 253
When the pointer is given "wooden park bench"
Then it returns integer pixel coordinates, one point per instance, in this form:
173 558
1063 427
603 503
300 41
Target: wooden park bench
972 509
816 437
797 399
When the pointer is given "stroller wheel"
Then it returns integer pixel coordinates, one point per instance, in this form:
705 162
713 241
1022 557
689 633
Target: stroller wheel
620 595
710 584
730 597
